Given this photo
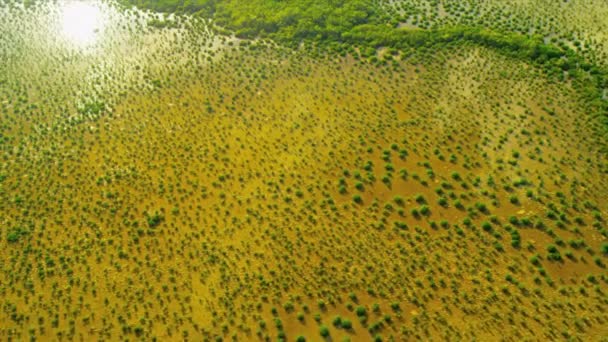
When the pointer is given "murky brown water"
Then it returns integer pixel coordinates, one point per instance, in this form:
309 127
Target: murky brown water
253 157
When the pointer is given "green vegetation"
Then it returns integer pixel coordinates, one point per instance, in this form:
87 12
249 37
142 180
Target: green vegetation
14 235
344 24
283 20
154 220
324 331
365 170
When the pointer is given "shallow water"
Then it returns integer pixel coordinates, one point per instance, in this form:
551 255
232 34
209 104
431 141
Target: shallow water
76 52
243 151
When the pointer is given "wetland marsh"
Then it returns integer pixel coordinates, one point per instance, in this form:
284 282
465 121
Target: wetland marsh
184 177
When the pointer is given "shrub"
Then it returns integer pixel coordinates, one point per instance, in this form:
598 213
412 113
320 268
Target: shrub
415 213
154 220
337 322
552 249
576 244
481 207
359 186
15 234
553 253
598 262
12 237
425 210
604 249
386 180
398 200
324 331
515 242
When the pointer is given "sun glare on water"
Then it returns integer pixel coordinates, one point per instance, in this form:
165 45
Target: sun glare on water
81 22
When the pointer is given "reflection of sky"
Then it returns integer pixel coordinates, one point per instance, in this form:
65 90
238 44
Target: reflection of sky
81 22
88 42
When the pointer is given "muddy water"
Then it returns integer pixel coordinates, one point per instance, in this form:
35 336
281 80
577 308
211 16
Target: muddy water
242 152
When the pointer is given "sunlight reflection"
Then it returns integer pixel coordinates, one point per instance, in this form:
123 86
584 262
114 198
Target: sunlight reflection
81 22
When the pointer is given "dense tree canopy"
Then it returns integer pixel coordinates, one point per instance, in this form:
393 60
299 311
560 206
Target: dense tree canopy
282 19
